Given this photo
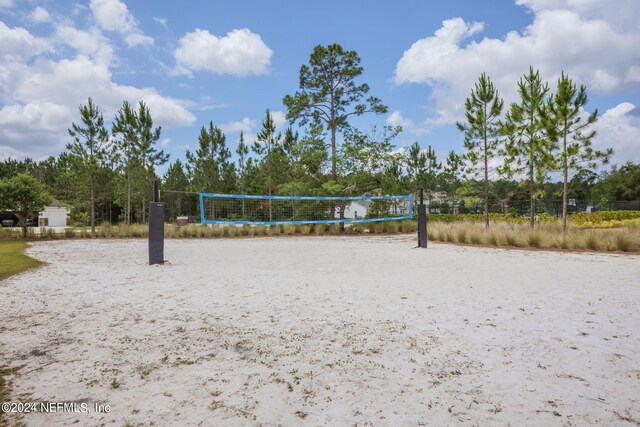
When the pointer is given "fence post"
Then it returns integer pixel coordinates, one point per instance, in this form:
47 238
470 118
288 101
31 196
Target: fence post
156 228
422 222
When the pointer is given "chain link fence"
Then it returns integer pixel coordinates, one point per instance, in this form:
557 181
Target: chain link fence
522 207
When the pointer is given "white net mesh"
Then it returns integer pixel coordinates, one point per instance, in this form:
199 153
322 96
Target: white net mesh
243 209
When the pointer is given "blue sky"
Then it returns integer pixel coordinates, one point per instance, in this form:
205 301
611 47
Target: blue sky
227 62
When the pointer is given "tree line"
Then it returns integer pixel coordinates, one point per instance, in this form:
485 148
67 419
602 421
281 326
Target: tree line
108 174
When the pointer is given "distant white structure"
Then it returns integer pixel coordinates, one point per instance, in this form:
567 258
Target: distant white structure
55 215
357 209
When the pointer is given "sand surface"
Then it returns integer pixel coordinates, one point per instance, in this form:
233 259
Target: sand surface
323 331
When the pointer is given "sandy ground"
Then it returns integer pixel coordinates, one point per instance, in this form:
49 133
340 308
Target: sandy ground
323 331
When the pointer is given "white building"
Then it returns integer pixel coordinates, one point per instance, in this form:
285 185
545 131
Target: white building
357 209
55 215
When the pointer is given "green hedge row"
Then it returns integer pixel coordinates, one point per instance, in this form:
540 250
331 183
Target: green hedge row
576 219
604 216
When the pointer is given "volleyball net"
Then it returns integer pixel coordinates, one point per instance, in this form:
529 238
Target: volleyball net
271 210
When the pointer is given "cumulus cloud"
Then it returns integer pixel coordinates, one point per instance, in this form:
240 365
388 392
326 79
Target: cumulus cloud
89 42
246 125
595 45
408 125
19 44
39 95
279 118
618 128
113 15
240 53
39 15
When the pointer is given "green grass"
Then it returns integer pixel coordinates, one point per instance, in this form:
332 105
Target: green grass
13 260
545 236
4 390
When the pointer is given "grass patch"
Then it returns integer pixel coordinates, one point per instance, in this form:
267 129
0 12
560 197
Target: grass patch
4 390
545 236
13 260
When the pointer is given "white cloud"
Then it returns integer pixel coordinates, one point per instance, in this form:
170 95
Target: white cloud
165 142
396 119
408 125
39 95
245 125
6 4
239 53
113 15
596 46
161 21
279 118
85 42
618 128
19 44
39 15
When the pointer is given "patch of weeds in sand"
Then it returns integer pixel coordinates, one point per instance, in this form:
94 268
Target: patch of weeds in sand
216 404
243 346
295 377
145 369
116 384
180 361
627 417
275 377
302 415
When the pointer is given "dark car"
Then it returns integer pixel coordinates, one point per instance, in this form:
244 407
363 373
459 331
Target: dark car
8 223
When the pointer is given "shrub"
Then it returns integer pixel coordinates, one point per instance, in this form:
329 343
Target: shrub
305 230
408 226
622 242
393 227
603 218
510 239
461 235
591 241
475 238
534 239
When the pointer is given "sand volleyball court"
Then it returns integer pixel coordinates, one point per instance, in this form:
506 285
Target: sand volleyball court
323 331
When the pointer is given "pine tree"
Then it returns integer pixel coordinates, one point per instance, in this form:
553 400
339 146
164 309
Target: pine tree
89 150
432 170
483 107
528 150
452 170
565 124
417 166
328 95
206 166
175 183
149 156
267 141
123 130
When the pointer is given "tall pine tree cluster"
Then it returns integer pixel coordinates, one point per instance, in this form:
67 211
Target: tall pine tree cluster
510 152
